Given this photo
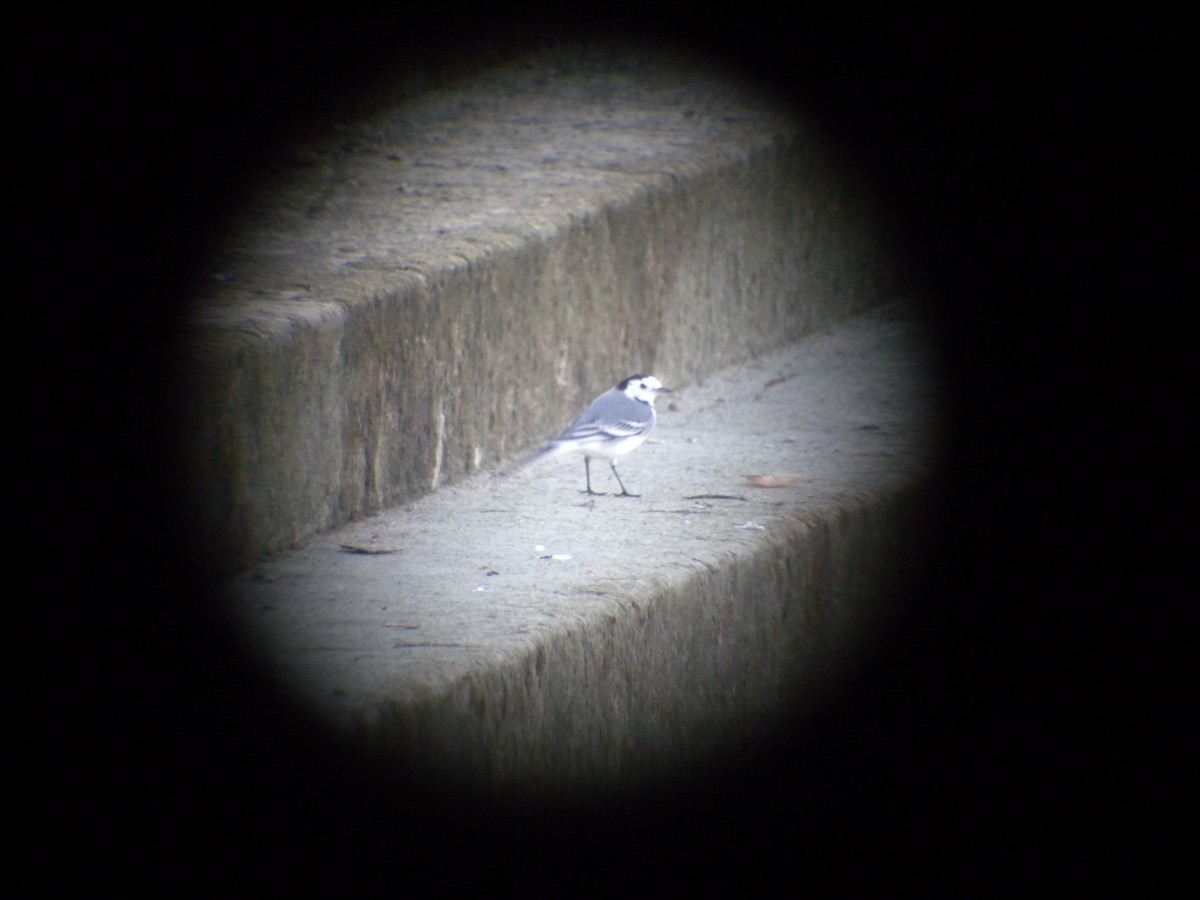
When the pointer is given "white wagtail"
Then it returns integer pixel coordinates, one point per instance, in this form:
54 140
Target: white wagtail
616 423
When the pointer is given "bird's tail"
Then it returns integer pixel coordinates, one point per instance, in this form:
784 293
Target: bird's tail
549 451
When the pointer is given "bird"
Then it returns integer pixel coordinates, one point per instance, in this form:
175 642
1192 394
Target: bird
615 423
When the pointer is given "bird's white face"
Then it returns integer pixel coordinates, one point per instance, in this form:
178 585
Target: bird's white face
643 387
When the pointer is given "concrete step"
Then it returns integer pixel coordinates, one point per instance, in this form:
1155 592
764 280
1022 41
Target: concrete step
429 291
514 635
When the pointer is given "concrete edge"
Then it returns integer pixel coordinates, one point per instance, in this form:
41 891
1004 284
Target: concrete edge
689 674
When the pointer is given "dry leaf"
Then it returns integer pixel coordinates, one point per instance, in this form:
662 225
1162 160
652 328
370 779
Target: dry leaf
772 480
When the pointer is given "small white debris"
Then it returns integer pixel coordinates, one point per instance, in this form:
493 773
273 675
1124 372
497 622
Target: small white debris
484 588
751 526
561 556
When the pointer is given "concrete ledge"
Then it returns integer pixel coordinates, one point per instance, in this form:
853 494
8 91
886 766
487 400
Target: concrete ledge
509 636
435 287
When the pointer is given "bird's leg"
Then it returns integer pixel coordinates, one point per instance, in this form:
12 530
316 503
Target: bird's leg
624 493
587 474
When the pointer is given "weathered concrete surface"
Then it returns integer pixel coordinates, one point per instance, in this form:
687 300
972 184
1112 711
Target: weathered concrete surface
429 290
522 639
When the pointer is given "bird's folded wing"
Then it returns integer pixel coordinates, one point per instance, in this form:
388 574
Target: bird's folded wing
600 431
